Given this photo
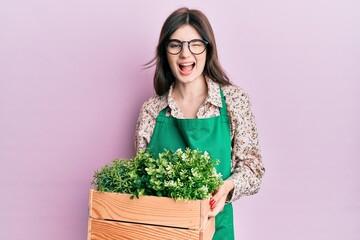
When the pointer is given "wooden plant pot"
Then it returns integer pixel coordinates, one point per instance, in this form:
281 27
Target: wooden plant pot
116 216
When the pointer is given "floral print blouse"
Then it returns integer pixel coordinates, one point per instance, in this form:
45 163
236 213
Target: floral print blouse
247 168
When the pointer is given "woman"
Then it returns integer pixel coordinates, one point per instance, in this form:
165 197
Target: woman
196 106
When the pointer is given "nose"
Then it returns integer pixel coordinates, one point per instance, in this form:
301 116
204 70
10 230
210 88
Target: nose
185 52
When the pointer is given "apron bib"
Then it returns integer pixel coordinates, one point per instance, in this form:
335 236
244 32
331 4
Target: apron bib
207 134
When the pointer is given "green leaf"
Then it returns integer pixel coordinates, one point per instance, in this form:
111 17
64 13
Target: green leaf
181 174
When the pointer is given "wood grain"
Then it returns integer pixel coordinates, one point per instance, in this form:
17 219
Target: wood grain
208 232
108 230
149 210
114 216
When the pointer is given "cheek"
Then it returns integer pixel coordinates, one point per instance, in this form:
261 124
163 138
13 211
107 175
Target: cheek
171 60
201 61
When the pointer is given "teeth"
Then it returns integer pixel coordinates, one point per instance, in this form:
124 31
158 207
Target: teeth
186 64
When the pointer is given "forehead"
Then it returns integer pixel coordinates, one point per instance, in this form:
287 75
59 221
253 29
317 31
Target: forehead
186 33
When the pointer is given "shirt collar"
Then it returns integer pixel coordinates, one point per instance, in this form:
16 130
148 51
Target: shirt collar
163 102
171 102
213 97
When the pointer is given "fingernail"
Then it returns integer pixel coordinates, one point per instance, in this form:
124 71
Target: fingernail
212 201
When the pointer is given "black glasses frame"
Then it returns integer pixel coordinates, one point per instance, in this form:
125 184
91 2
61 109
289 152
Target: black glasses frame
188 44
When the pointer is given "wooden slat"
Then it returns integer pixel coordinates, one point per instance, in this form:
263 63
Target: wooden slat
110 230
208 232
204 213
149 210
89 229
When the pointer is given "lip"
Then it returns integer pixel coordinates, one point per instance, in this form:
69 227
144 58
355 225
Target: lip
186 64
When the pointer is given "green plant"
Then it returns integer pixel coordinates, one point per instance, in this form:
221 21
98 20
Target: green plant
188 174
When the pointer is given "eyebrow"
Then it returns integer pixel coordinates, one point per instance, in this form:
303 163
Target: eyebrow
175 39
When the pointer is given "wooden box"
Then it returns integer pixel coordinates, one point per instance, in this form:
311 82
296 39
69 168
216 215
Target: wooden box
116 216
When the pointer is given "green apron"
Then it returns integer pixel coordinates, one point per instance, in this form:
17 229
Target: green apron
207 134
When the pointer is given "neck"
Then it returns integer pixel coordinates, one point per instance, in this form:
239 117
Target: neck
190 90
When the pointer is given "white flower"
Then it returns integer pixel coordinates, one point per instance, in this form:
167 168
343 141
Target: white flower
170 183
204 189
195 172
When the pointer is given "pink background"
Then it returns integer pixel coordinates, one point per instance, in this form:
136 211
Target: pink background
72 84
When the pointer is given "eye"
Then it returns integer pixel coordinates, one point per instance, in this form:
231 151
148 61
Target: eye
197 43
174 44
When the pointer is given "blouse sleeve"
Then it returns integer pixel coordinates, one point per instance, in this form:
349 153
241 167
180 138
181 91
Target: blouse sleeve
247 167
145 124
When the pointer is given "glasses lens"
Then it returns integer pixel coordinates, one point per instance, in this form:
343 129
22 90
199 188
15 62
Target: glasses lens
174 47
197 46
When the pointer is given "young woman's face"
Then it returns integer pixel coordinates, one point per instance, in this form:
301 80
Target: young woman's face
186 66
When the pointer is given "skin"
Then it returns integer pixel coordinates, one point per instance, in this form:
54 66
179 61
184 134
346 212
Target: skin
219 197
189 93
190 88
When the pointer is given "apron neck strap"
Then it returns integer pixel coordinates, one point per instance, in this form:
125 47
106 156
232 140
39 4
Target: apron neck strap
223 110
163 112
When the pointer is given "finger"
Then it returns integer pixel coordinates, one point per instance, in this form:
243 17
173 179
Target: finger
220 194
215 211
217 207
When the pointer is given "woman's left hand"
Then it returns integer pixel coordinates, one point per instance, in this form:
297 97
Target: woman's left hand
217 202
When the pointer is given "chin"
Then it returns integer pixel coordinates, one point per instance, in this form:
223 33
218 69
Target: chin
189 79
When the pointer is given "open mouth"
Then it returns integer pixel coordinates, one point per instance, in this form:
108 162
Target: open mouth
186 67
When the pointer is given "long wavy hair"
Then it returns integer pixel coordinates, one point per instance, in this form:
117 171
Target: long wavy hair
163 77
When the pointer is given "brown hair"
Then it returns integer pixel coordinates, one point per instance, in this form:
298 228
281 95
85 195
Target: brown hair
163 77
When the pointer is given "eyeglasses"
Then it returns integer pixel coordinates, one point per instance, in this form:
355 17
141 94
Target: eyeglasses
196 46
